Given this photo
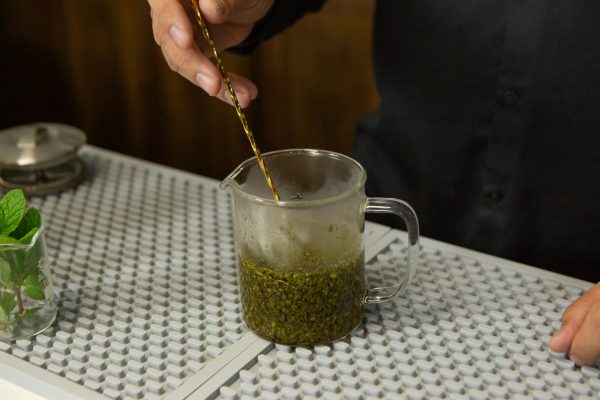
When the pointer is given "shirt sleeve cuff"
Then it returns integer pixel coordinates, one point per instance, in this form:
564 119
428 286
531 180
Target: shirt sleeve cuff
282 14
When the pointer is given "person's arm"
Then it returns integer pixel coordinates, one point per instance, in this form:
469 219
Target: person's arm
579 334
231 22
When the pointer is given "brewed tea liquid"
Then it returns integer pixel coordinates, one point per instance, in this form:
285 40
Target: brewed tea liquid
234 99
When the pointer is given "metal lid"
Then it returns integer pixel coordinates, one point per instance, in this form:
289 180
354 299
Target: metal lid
39 145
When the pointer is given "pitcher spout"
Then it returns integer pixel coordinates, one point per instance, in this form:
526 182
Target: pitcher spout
228 181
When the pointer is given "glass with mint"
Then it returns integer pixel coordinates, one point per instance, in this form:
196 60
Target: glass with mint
301 259
27 304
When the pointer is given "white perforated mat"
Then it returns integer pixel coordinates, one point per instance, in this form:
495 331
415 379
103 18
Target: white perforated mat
144 268
471 326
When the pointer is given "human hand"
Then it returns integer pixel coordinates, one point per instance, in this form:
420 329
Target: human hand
186 52
579 333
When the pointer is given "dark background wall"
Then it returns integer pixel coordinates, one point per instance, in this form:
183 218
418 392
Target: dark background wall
94 64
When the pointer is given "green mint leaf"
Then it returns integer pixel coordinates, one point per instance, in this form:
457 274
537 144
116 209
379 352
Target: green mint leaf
4 239
31 264
27 237
3 315
5 274
12 209
31 220
7 304
19 267
33 288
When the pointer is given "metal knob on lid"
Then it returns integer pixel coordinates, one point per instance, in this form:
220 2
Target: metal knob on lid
40 158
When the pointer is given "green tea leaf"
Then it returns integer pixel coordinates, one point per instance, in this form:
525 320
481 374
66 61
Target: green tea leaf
7 304
27 238
33 288
32 221
12 209
314 301
5 274
4 239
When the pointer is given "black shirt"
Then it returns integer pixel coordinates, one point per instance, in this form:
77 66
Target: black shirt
489 124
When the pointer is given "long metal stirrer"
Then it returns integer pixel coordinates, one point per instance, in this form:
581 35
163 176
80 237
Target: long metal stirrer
233 97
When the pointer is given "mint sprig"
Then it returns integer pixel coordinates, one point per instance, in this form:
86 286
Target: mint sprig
20 268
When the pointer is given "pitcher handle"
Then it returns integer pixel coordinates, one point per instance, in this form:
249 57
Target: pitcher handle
384 205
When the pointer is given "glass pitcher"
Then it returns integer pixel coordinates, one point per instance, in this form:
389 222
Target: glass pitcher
301 259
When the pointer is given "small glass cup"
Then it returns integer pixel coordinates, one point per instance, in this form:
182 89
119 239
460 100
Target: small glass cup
301 260
27 305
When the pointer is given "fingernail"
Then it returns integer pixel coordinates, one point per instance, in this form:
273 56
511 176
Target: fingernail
555 340
227 98
203 80
240 90
177 35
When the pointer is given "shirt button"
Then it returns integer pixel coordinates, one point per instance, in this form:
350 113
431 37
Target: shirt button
509 98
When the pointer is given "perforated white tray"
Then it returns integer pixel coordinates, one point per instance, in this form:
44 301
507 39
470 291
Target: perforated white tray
471 326
143 263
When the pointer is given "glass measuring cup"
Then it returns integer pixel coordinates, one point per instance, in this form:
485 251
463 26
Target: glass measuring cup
301 260
26 291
